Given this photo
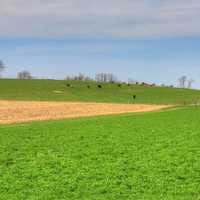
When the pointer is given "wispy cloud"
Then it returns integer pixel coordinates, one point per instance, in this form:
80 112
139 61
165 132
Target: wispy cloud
94 18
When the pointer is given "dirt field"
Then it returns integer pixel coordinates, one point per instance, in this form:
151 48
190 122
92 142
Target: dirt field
22 111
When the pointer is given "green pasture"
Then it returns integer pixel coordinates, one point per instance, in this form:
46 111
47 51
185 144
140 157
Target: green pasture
57 90
149 156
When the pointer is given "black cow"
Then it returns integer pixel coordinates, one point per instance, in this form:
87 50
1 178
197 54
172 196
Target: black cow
99 86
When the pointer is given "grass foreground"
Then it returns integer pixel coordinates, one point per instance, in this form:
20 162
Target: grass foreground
134 156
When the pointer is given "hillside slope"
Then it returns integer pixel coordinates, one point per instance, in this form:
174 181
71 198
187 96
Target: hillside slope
57 90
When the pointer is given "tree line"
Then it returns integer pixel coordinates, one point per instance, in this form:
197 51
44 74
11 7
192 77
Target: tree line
100 77
183 81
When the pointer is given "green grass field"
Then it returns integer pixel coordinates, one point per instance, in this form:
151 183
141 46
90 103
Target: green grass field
48 90
149 156
136 156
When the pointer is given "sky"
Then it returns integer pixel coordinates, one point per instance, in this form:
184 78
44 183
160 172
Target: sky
146 40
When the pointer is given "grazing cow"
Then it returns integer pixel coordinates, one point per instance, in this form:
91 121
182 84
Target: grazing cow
99 86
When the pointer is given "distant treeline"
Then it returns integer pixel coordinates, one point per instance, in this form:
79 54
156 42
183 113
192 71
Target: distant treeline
100 77
183 81
107 78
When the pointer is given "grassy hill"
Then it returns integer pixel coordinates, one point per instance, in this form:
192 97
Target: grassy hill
57 90
131 156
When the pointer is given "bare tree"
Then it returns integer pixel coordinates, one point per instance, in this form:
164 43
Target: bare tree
82 77
2 66
190 82
105 77
79 77
99 77
182 81
68 78
111 78
24 75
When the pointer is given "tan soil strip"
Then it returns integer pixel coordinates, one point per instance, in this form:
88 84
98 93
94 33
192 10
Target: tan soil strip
23 111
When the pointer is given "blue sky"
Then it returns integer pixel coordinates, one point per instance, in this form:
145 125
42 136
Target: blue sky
150 40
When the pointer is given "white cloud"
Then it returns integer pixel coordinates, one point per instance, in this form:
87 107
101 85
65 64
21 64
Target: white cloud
97 18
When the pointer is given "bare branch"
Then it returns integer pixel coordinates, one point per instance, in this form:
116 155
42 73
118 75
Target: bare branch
182 81
24 75
190 82
2 66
